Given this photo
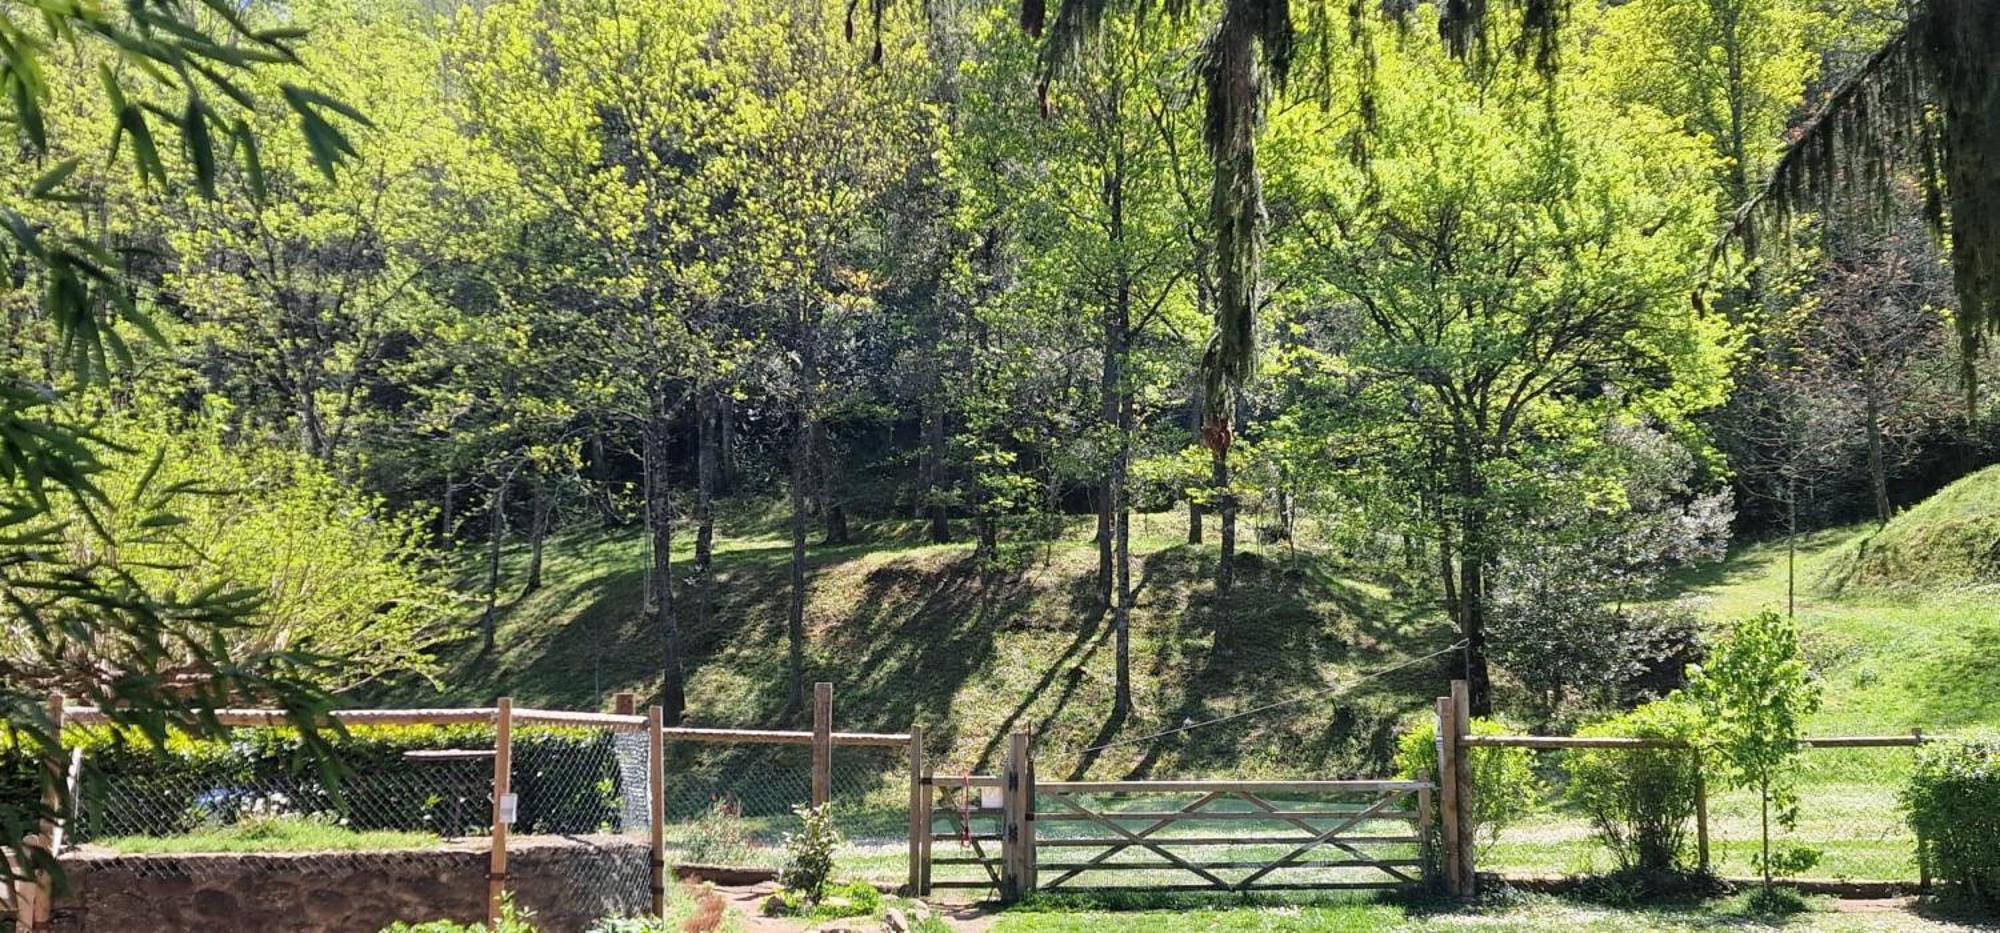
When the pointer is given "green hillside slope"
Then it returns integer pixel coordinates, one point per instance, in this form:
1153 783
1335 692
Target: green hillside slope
913 634
1951 540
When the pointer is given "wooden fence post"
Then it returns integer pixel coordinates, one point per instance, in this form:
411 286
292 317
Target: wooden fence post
822 761
1017 841
625 703
1010 822
1461 716
1031 872
656 806
55 776
920 822
1447 755
1700 814
503 769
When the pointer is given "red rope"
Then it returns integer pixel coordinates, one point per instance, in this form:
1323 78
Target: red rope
965 811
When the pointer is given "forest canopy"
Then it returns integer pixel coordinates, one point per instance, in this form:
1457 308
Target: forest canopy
447 279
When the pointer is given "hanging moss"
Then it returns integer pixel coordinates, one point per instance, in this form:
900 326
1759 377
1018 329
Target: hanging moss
1927 102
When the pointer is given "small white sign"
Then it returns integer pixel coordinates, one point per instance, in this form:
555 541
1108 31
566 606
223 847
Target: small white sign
989 798
508 806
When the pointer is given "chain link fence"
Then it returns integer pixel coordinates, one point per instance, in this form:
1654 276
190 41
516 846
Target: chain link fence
731 805
1850 827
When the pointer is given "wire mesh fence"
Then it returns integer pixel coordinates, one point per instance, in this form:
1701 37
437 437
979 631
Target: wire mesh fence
593 791
254 793
1850 824
733 804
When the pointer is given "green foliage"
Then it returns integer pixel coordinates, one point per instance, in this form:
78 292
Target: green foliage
1641 801
513 919
809 853
1504 787
719 836
1953 803
336 573
1755 693
853 899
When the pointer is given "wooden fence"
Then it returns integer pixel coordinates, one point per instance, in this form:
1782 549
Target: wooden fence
1000 827
34 902
1455 740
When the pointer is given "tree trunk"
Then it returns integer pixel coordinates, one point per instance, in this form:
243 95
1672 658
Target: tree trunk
1878 470
447 510
600 468
1196 511
707 470
538 534
725 481
1225 564
312 431
831 511
935 452
1105 558
1472 573
660 576
496 533
795 623
806 339
1475 559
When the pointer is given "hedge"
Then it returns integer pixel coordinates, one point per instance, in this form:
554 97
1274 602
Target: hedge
567 780
1953 802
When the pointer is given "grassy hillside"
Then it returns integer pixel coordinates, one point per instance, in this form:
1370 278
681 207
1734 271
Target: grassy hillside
911 633
1901 622
1949 541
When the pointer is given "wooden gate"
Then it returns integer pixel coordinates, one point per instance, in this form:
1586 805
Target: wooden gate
1014 835
1229 835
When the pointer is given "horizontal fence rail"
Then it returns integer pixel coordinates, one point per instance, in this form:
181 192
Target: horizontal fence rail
1560 742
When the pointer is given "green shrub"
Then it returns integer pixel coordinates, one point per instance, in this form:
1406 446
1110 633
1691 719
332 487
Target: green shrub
1641 801
512 920
809 853
1504 787
720 836
853 899
1953 802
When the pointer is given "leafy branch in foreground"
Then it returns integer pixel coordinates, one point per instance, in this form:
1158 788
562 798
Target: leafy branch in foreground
156 658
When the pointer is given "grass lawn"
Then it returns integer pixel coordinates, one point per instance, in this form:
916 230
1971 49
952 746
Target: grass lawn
283 834
1520 913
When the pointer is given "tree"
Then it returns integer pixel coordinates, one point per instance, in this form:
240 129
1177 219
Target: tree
1504 277
1871 339
617 122
823 133
300 287
1756 692
1250 49
1927 102
1091 185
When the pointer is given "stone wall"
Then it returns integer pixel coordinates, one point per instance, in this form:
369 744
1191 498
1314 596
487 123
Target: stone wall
567 883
